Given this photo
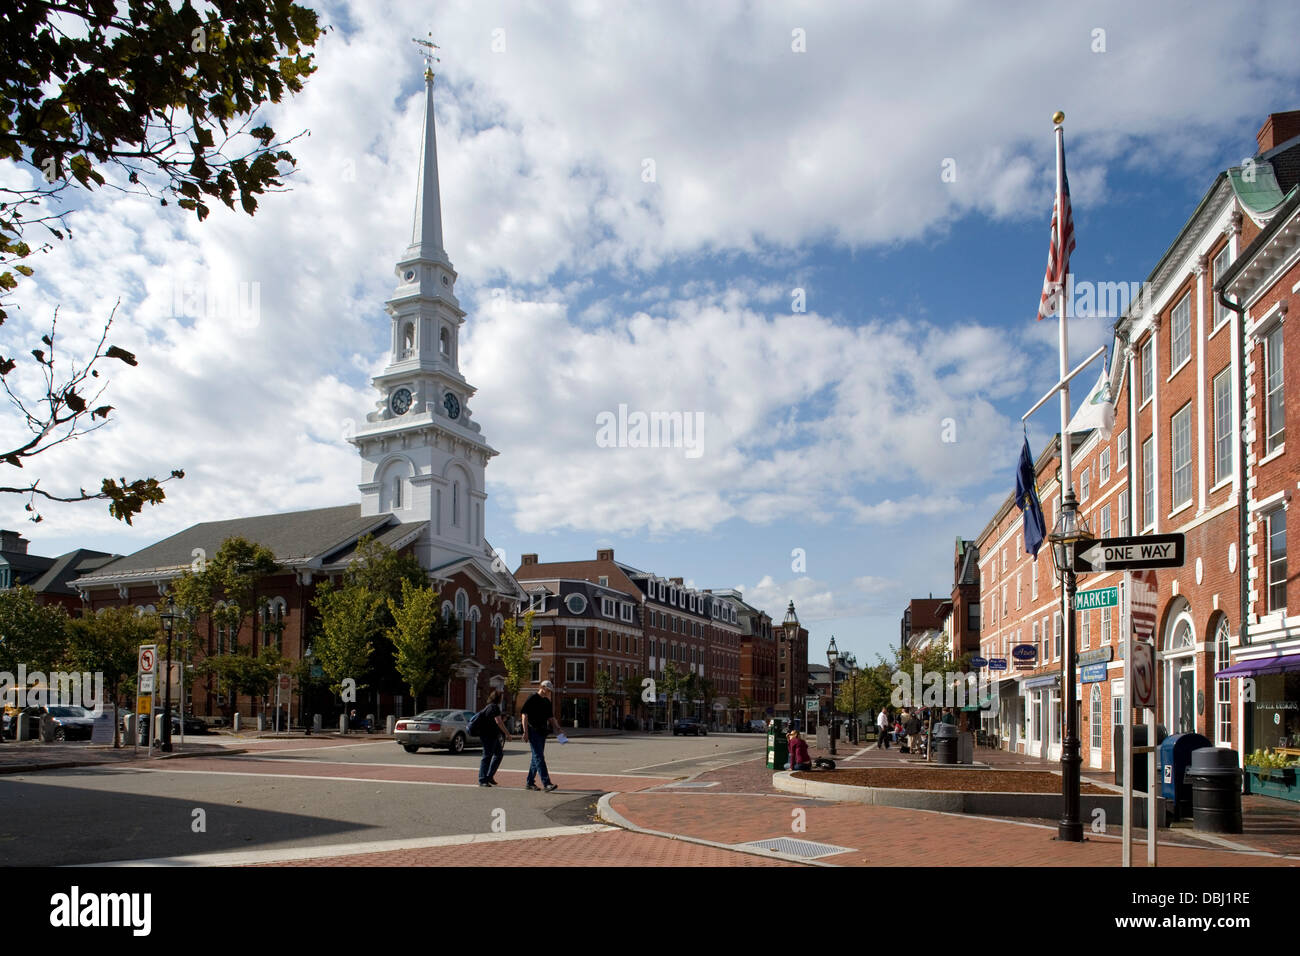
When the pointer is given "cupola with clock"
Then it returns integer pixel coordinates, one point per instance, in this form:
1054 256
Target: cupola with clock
423 455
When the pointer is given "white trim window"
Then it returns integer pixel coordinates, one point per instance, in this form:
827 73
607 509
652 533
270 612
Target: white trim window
607 607
575 637
1058 636
1223 436
1180 453
575 672
1275 523
1085 630
1222 688
1121 506
1103 467
1274 408
1105 520
1095 736
1033 582
625 612
1105 625
1219 266
1033 633
1180 334
1148 483
1148 372
1121 451
1020 587
1085 479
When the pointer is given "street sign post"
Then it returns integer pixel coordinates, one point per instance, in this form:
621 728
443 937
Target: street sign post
147 667
1129 554
1097 598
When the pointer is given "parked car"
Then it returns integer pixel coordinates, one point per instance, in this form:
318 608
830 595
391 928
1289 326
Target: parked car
690 725
70 722
758 726
436 728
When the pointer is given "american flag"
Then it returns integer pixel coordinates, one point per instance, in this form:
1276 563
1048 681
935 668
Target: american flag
1058 250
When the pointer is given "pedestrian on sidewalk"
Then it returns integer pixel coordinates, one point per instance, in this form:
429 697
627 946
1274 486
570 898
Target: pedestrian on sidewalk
799 757
913 729
882 728
539 717
493 737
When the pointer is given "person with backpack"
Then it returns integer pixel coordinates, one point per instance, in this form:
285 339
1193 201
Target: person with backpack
490 728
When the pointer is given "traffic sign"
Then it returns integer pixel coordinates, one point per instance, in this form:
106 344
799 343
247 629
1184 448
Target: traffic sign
1144 671
1125 554
1098 597
148 658
146 684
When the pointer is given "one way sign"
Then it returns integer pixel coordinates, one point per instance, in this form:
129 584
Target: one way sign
1129 554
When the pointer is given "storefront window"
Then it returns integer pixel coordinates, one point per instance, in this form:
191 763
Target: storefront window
1276 712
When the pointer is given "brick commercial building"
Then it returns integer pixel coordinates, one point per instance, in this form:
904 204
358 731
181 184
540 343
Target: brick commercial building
423 460
1172 465
710 634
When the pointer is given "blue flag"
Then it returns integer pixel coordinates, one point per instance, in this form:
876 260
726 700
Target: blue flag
1027 501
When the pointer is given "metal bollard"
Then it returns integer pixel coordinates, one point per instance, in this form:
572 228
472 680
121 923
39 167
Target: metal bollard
237 722
316 723
389 723
343 723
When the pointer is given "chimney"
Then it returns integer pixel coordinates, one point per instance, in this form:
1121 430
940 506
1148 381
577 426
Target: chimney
13 542
1277 129
529 559
605 554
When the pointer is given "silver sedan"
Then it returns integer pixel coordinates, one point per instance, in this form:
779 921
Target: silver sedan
436 728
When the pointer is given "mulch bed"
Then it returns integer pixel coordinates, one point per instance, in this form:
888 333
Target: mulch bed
971 781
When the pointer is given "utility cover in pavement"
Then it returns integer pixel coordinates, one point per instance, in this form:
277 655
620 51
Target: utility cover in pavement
804 848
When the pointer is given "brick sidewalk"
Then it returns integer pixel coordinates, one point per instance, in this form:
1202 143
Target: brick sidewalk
608 848
885 836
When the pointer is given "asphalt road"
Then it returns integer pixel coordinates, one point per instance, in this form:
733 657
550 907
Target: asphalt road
324 793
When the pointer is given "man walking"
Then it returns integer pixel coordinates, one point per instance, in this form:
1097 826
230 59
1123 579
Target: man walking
493 738
539 716
883 728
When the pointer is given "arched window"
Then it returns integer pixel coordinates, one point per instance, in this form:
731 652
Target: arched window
408 340
1182 637
444 342
1096 718
462 613
473 631
455 503
1222 688
397 491
273 622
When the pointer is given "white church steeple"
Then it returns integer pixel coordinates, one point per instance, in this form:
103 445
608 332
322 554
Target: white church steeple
423 457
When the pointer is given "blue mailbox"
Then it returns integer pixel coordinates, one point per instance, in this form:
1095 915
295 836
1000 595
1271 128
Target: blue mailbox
1173 757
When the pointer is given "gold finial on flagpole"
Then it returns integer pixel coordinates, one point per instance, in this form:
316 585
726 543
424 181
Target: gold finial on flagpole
429 58
1058 118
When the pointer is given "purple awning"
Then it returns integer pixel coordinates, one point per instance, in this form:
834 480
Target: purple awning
1263 665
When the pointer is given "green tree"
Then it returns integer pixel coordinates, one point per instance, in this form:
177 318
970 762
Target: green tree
109 642
349 620
604 683
31 633
425 643
149 97
631 689
516 651
673 683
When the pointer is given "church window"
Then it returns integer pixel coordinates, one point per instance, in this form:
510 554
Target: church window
397 491
408 340
473 631
444 342
462 612
455 502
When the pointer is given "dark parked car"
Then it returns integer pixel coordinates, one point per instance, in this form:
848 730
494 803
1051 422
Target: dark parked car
690 725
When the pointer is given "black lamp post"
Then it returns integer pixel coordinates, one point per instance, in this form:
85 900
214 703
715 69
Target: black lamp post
832 657
168 618
851 661
791 626
1070 528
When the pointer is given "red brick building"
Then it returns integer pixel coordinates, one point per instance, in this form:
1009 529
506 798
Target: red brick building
1171 465
50 579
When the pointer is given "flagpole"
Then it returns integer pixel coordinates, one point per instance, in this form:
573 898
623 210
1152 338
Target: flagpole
1070 827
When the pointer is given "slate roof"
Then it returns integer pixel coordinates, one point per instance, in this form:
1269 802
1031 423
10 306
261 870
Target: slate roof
296 538
66 567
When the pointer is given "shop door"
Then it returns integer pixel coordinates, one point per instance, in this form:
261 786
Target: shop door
1186 717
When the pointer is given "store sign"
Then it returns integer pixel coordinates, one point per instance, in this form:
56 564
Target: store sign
1093 673
997 663
1101 655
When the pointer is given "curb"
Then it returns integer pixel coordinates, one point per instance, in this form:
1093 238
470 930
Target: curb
982 803
72 764
611 816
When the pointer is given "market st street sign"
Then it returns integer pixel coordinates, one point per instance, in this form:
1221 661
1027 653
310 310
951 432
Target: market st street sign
1129 554
1100 597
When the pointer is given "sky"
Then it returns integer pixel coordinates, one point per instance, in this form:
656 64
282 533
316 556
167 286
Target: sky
818 230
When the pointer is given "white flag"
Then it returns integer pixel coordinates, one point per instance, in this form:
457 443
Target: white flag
1097 410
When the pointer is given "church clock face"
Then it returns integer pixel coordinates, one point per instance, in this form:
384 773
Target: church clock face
452 404
400 403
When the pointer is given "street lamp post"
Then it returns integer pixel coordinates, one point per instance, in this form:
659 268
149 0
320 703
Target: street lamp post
169 626
832 656
791 626
1070 528
851 661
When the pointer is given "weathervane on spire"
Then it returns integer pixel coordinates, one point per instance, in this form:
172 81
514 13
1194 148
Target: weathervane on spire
429 57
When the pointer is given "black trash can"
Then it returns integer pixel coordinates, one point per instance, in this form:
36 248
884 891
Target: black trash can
945 743
1215 777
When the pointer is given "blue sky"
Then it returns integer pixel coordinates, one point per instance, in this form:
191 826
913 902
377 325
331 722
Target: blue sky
587 287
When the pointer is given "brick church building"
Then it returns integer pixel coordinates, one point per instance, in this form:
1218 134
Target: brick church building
423 459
